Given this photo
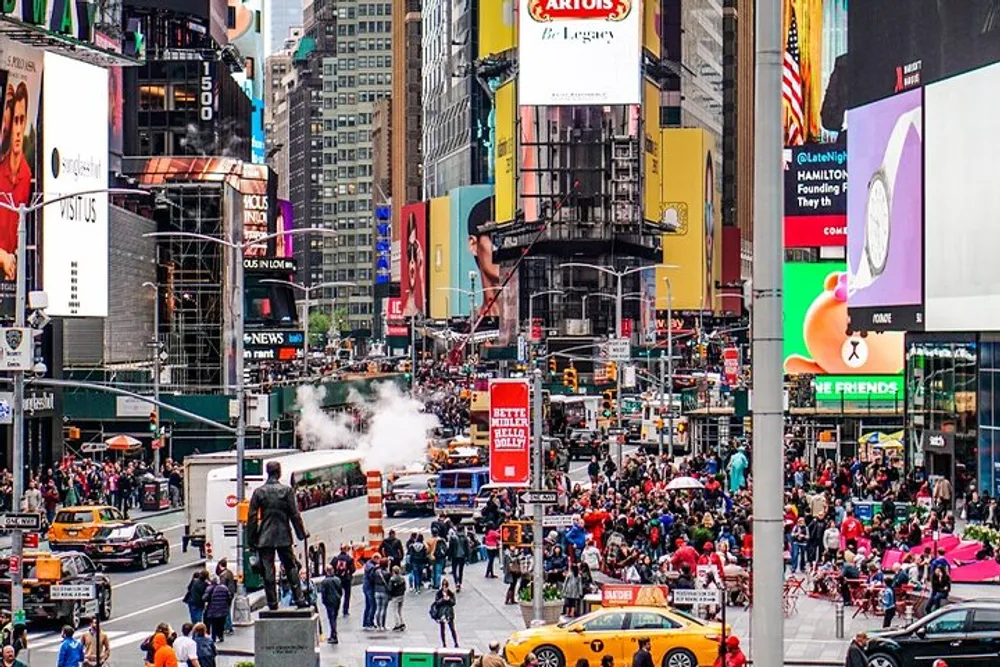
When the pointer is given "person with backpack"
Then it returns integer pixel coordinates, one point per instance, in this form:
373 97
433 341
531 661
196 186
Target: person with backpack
195 595
205 646
419 558
397 592
216 607
443 611
458 552
343 569
439 555
330 593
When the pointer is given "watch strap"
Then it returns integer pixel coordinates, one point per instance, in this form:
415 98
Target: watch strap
894 148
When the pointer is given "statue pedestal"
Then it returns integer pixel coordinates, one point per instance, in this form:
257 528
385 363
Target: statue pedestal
286 637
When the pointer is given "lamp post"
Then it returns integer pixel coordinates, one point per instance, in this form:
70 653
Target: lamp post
20 306
308 290
156 366
670 371
583 310
531 309
241 605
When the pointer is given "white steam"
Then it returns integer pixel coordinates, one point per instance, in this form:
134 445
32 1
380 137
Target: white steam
397 433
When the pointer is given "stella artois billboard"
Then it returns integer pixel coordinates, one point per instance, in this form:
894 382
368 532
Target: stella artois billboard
579 52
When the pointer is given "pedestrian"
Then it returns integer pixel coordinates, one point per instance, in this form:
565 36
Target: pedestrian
163 654
227 579
206 647
493 658
90 647
9 659
642 656
458 553
572 591
343 568
856 656
330 593
380 587
492 543
71 650
512 573
419 560
216 607
194 598
392 549
147 644
368 589
940 589
185 647
888 605
734 656
443 611
397 593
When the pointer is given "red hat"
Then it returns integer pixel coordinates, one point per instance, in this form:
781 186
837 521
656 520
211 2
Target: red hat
679 542
732 641
708 546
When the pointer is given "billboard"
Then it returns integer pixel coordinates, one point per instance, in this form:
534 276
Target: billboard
504 149
246 32
691 195
472 250
273 345
284 245
647 307
75 231
497 29
819 339
652 151
859 388
116 141
510 432
814 90
383 244
21 78
884 216
257 131
439 241
815 196
392 317
652 27
579 53
906 44
413 263
962 202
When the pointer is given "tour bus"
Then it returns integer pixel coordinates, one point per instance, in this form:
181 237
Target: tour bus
319 479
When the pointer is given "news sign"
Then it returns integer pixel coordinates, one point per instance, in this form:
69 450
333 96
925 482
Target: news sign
815 196
282 345
510 432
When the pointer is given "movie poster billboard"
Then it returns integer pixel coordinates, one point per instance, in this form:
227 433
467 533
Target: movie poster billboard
413 263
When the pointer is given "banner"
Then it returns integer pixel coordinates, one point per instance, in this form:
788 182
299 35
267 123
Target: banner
732 365
652 152
383 244
510 432
632 595
815 196
859 388
413 263
439 241
505 152
284 222
392 315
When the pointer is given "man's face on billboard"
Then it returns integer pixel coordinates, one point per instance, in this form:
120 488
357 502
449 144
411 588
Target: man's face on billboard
481 248
20 121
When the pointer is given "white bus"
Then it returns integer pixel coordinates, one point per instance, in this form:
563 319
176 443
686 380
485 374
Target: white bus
652 412
320 479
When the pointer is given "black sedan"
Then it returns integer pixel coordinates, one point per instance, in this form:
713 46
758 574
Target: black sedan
410 493
963 635
134 544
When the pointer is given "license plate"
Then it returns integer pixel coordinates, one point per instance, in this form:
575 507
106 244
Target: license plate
107 550
72 532
404 496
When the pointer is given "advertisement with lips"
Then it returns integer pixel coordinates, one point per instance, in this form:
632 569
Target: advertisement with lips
819 338
579 52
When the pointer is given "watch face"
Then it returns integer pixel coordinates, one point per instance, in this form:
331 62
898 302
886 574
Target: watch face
877 223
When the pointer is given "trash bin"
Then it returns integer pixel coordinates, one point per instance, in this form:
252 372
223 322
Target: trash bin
454 657
417 657
383 656
155 494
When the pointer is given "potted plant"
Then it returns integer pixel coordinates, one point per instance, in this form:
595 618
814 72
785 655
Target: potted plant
552 604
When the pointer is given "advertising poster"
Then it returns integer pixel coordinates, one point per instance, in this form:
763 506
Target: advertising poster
652 152
630 595
579 53
413 263
505 152
21 78
880 388
815 196
284 222
884 216
392 315
732 365
257 132
246 32
814 90
528 174
510 432
472 264
439 241
819 339
496 27
116 89
691 198
75 230
256 211
906 44
652 27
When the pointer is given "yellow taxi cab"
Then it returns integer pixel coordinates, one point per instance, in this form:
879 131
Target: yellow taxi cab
676 638
74 527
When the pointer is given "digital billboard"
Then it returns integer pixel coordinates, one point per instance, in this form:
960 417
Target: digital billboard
904 44
884 216
652 151
21 78
496 27
815 196
962 202
285 222
505 152
75 231
691 195
383 244
814 70
439 241
472 262
819 339
246 32
413 263
579 53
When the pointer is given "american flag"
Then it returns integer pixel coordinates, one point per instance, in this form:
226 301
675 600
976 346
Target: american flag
791 86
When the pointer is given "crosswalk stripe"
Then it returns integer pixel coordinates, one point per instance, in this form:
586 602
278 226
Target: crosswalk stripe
128 639
52 645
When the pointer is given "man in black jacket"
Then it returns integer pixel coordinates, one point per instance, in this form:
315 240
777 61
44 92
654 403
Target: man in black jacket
272 508
330 592
392 549
642 657
856 652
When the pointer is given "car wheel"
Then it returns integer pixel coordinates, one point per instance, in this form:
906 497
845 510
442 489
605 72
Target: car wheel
73 618
144 561
883 660
680 658
166 554
550 656
105 606
389 513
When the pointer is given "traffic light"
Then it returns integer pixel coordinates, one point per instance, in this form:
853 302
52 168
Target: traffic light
606 404
553 365
153 422
510 534
573 381
659 423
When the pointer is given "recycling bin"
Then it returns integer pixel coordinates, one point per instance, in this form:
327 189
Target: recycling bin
417 657
383 656
453 657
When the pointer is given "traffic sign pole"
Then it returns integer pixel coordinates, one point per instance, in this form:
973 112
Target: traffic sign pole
538 578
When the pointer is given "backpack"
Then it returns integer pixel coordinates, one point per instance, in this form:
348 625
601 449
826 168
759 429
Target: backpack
440 550
340 567
397 587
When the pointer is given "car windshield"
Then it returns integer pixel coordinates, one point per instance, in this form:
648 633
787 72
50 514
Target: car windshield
686 616
82 516
116 533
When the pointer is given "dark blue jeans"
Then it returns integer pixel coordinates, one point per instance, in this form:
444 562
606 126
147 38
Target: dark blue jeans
368 619
331 617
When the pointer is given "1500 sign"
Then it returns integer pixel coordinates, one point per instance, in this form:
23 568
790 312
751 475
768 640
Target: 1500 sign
206 92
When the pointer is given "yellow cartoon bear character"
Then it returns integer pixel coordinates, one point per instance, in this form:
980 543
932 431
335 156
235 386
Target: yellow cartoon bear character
834 348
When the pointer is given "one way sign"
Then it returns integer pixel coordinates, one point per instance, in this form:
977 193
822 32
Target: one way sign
539 497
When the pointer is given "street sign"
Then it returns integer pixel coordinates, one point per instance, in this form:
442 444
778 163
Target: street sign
72 592
14 565
691 596
557 521
93 447
536 497
617 349
22 520
17 349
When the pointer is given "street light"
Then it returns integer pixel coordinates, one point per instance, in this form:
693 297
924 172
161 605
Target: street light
308 289
472 302
670 370
20 306
583 313
241 605
531 309
156 367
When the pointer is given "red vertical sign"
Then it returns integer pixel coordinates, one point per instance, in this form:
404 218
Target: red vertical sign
731 365
510 432
626 327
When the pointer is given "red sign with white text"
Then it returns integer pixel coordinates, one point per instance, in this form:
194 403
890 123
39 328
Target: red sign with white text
631 595
395 322
510 432
814 231
731 365
626 328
